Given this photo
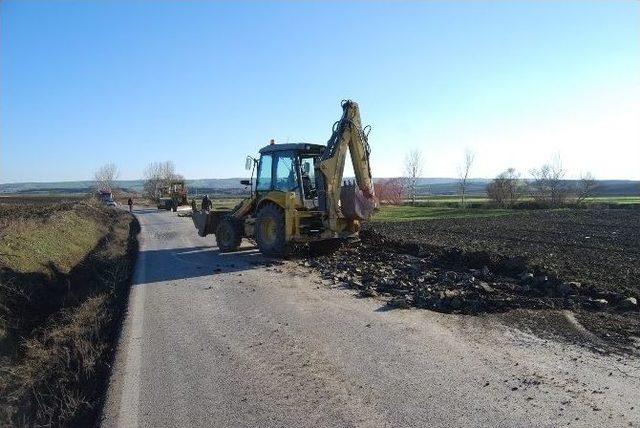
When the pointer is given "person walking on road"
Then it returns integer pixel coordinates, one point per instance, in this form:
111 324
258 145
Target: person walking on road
130 203
206 203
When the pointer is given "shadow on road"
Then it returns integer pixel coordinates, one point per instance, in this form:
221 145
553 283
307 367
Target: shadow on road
192 262
145 210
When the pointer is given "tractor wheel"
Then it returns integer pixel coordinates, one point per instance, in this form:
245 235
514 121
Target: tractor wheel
229 234
270 233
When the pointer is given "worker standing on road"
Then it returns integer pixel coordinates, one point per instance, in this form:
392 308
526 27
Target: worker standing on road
206 203
130 203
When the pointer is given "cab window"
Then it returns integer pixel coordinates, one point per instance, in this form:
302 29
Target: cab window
308 177
285 173
264 173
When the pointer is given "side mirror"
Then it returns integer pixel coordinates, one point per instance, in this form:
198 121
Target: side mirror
248 163
306 168
245 182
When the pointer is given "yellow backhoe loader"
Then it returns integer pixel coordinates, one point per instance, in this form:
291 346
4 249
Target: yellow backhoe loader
298 194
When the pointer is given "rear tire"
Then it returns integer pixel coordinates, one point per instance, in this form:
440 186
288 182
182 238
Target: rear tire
229 234
270 233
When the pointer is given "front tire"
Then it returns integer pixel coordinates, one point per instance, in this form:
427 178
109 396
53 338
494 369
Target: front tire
229 234
270 232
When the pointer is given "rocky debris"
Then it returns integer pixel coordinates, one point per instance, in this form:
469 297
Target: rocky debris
368 292
400 302
526 277
540 242
599 303
494 264
428 281
628 304
569 288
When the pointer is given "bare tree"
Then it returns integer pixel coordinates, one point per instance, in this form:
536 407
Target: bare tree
157 175
463 174
106 176
585 187
548 186
506 188
413 168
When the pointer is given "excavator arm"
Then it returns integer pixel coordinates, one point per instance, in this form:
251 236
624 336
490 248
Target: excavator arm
348 135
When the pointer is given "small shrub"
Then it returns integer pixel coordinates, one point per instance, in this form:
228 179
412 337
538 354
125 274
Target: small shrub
506 188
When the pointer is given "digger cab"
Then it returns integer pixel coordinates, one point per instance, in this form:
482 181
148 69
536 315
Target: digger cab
289 168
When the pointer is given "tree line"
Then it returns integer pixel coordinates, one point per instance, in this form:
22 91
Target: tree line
547 186
156 176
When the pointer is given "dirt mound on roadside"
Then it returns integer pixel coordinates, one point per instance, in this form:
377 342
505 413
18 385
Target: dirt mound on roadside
536 261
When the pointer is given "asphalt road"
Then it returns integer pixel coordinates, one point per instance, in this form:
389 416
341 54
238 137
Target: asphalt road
224 340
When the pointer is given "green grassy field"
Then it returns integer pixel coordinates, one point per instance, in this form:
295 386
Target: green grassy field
621 200
408 212
225 202
449 200
448 207
33 245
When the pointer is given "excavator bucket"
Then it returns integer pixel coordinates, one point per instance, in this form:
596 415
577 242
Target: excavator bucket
354 204
207 221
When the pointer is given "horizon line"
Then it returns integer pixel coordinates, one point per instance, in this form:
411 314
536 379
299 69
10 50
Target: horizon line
349 177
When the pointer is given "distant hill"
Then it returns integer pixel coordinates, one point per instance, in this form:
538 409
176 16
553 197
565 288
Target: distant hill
477 187
212 185
232 187
443 186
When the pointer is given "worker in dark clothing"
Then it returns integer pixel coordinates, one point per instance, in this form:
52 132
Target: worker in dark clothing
130 203
206 203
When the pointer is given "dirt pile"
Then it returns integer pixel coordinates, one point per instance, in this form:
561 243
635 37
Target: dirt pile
586 261
597 247
432 281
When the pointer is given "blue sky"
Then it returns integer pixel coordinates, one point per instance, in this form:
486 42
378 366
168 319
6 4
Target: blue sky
205 83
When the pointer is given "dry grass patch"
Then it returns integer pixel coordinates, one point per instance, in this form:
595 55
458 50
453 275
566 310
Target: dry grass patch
64 276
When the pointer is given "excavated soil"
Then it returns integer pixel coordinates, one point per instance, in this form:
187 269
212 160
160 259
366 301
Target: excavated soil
583 262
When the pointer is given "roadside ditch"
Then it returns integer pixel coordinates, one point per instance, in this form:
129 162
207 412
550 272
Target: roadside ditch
65 272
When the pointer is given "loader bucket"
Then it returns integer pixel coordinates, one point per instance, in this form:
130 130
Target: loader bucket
354 204
207 221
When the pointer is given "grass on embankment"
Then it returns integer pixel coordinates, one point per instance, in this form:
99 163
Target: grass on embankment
31 245
64 276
